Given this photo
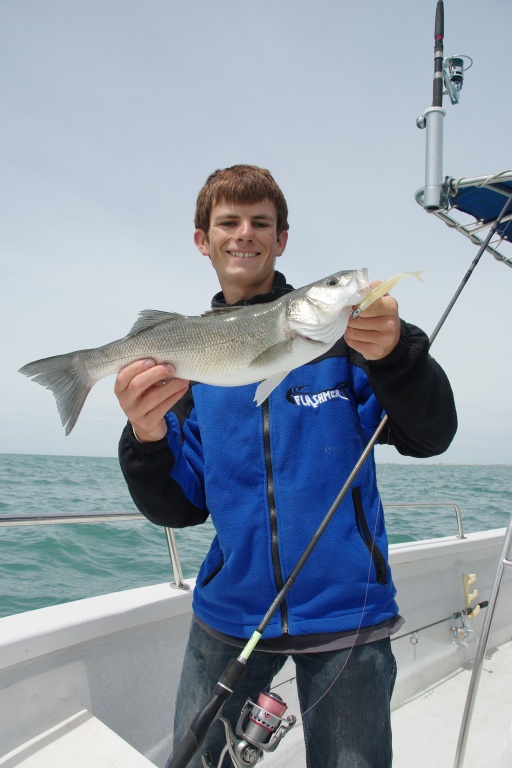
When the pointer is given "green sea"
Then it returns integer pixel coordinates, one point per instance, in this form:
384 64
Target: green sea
49 564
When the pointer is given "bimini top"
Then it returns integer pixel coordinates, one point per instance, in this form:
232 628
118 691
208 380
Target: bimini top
482 199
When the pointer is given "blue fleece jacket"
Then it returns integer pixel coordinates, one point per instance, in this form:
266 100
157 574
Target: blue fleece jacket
267 476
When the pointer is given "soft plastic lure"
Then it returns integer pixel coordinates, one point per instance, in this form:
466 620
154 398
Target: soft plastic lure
383 288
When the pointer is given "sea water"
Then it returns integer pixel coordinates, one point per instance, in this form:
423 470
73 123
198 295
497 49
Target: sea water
49 564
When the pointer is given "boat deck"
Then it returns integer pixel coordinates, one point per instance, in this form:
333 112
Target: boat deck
81 741
426 729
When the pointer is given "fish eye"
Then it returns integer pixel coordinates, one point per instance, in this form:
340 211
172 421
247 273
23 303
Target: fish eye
332 281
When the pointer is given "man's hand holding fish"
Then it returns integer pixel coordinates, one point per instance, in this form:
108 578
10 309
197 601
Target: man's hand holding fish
376 331
146 392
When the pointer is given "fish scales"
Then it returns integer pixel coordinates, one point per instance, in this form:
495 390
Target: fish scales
242 345
211 348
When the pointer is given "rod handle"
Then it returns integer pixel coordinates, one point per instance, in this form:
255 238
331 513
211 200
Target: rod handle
199 726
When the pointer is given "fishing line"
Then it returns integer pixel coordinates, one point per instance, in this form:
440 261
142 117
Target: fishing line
358 630
438 327
431 340
235 669
351 647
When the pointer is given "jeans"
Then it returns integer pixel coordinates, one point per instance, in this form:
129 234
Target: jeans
349 725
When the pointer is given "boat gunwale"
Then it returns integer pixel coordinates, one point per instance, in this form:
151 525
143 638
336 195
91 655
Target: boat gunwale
26 636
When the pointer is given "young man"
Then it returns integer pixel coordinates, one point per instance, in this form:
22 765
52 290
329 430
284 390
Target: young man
267 477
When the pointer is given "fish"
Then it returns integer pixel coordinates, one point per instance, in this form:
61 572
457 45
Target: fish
230 347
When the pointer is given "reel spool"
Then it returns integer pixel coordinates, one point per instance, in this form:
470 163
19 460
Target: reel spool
260 728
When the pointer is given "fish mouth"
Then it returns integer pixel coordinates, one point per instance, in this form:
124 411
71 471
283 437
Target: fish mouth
244 254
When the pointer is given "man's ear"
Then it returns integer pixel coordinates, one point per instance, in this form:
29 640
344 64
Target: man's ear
201 241
281 242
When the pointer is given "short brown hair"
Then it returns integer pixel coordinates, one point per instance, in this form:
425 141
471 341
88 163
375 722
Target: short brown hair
241 184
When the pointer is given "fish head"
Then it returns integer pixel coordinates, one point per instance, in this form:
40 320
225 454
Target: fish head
320 311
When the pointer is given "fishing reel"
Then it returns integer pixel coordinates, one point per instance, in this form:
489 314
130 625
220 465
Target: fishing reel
453 79
260 728
453 75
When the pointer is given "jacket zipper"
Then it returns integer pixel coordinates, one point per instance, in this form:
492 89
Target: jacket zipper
278 575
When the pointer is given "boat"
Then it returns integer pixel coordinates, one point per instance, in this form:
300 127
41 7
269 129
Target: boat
92 682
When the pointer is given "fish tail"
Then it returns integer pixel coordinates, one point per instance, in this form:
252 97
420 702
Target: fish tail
69 380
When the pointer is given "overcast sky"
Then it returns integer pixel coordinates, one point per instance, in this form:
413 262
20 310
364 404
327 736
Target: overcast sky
115 111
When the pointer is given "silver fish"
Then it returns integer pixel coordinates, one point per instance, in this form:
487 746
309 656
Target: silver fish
228 347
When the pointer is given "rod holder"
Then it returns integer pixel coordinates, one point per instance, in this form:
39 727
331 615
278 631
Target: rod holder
433 158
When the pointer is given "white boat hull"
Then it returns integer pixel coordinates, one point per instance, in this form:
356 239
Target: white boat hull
118 657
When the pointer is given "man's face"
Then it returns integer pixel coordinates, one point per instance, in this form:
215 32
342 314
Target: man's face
242 244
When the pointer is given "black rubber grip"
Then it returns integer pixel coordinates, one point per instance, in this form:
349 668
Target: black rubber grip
199 726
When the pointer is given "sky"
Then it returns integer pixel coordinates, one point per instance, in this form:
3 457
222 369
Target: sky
114 112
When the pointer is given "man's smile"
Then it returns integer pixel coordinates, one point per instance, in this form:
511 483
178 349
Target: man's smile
242 244
244 254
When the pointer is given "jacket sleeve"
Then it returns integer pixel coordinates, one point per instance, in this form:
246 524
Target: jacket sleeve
165 478
416 395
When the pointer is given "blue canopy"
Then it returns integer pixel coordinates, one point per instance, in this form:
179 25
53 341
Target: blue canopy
485 203
483 199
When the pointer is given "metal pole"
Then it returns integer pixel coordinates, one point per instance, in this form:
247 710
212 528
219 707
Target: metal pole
434 122
178 582
505 562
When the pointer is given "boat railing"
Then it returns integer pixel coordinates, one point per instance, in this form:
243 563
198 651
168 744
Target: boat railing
102 517
177 583
455 507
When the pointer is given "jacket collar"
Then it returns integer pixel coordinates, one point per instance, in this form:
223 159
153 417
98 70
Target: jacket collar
279 288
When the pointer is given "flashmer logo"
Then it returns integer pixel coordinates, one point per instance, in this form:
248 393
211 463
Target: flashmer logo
301 395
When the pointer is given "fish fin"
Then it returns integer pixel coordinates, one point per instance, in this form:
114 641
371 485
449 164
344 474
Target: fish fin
272 354
267 386
67 377
222 310
148 318
326 333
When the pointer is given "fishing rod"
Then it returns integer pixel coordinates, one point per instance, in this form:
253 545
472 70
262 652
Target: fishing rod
448 79
434 121
266 716
235 669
